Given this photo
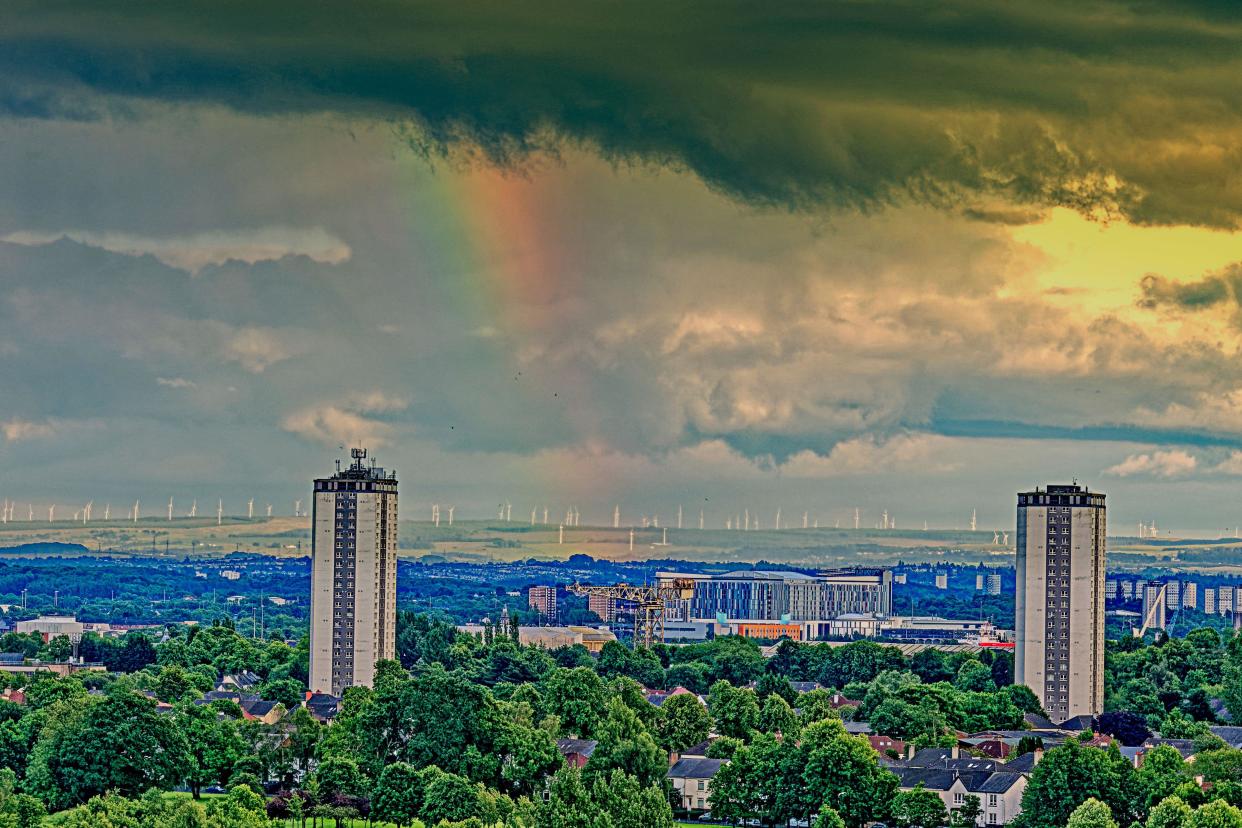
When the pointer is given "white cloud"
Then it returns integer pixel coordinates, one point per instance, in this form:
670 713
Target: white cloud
1230 465
256 349
904 454
17 430
176 382
346 423
1172 463
196 251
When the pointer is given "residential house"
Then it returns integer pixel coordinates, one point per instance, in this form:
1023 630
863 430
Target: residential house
954 777
576 751
691 779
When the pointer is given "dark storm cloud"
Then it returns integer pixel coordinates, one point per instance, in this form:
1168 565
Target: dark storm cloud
1213 289
1111 109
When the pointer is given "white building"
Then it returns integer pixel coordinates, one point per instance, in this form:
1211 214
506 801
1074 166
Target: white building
353 575
1059 608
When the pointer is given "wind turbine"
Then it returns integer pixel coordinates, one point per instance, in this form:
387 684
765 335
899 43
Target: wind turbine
973 519
250 509
700 519
777 525
451 508
220 511
6 511
107 512
616 517
170 508
679 516
805 516
856 517
269 510
51 513
435 514
532 516
560 535
194 509
136 505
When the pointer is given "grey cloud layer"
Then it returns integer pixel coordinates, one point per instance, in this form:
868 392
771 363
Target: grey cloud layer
1109 108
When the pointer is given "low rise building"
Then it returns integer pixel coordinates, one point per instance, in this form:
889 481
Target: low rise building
691 779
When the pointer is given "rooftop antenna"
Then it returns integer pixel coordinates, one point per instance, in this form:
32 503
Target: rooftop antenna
220 511
616 517
170 507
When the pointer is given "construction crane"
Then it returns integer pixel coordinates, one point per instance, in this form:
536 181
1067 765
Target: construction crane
1154 617
648 603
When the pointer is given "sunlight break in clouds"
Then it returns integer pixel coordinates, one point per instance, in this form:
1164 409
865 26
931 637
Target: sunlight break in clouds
346 423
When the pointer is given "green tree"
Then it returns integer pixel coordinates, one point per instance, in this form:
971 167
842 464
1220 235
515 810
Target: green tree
569 805
683 722
118 743
1068 776
752 786
777 716
577 698
629 804
214 745
398 794
968 814
829 818
447 796
1170 812
735 709
919 808
842 771
1091 814
974 676
624 744
339 776
1162 771
1216 814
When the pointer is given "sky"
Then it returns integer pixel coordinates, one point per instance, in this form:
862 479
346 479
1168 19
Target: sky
724 255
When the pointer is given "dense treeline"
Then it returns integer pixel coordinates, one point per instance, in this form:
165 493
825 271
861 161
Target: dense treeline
463 730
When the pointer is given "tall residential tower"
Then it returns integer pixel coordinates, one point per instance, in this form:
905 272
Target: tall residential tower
353 575
1060 599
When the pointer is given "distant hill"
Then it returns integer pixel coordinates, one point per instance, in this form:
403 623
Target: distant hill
47 548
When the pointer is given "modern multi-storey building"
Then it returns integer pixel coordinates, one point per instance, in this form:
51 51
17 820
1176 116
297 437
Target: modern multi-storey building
542 599
1059 610
1190 595
994 584
760 595
1155 605
1209 600
353 575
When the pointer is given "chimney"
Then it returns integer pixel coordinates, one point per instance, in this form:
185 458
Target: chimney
910 750
1038 755
955 752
